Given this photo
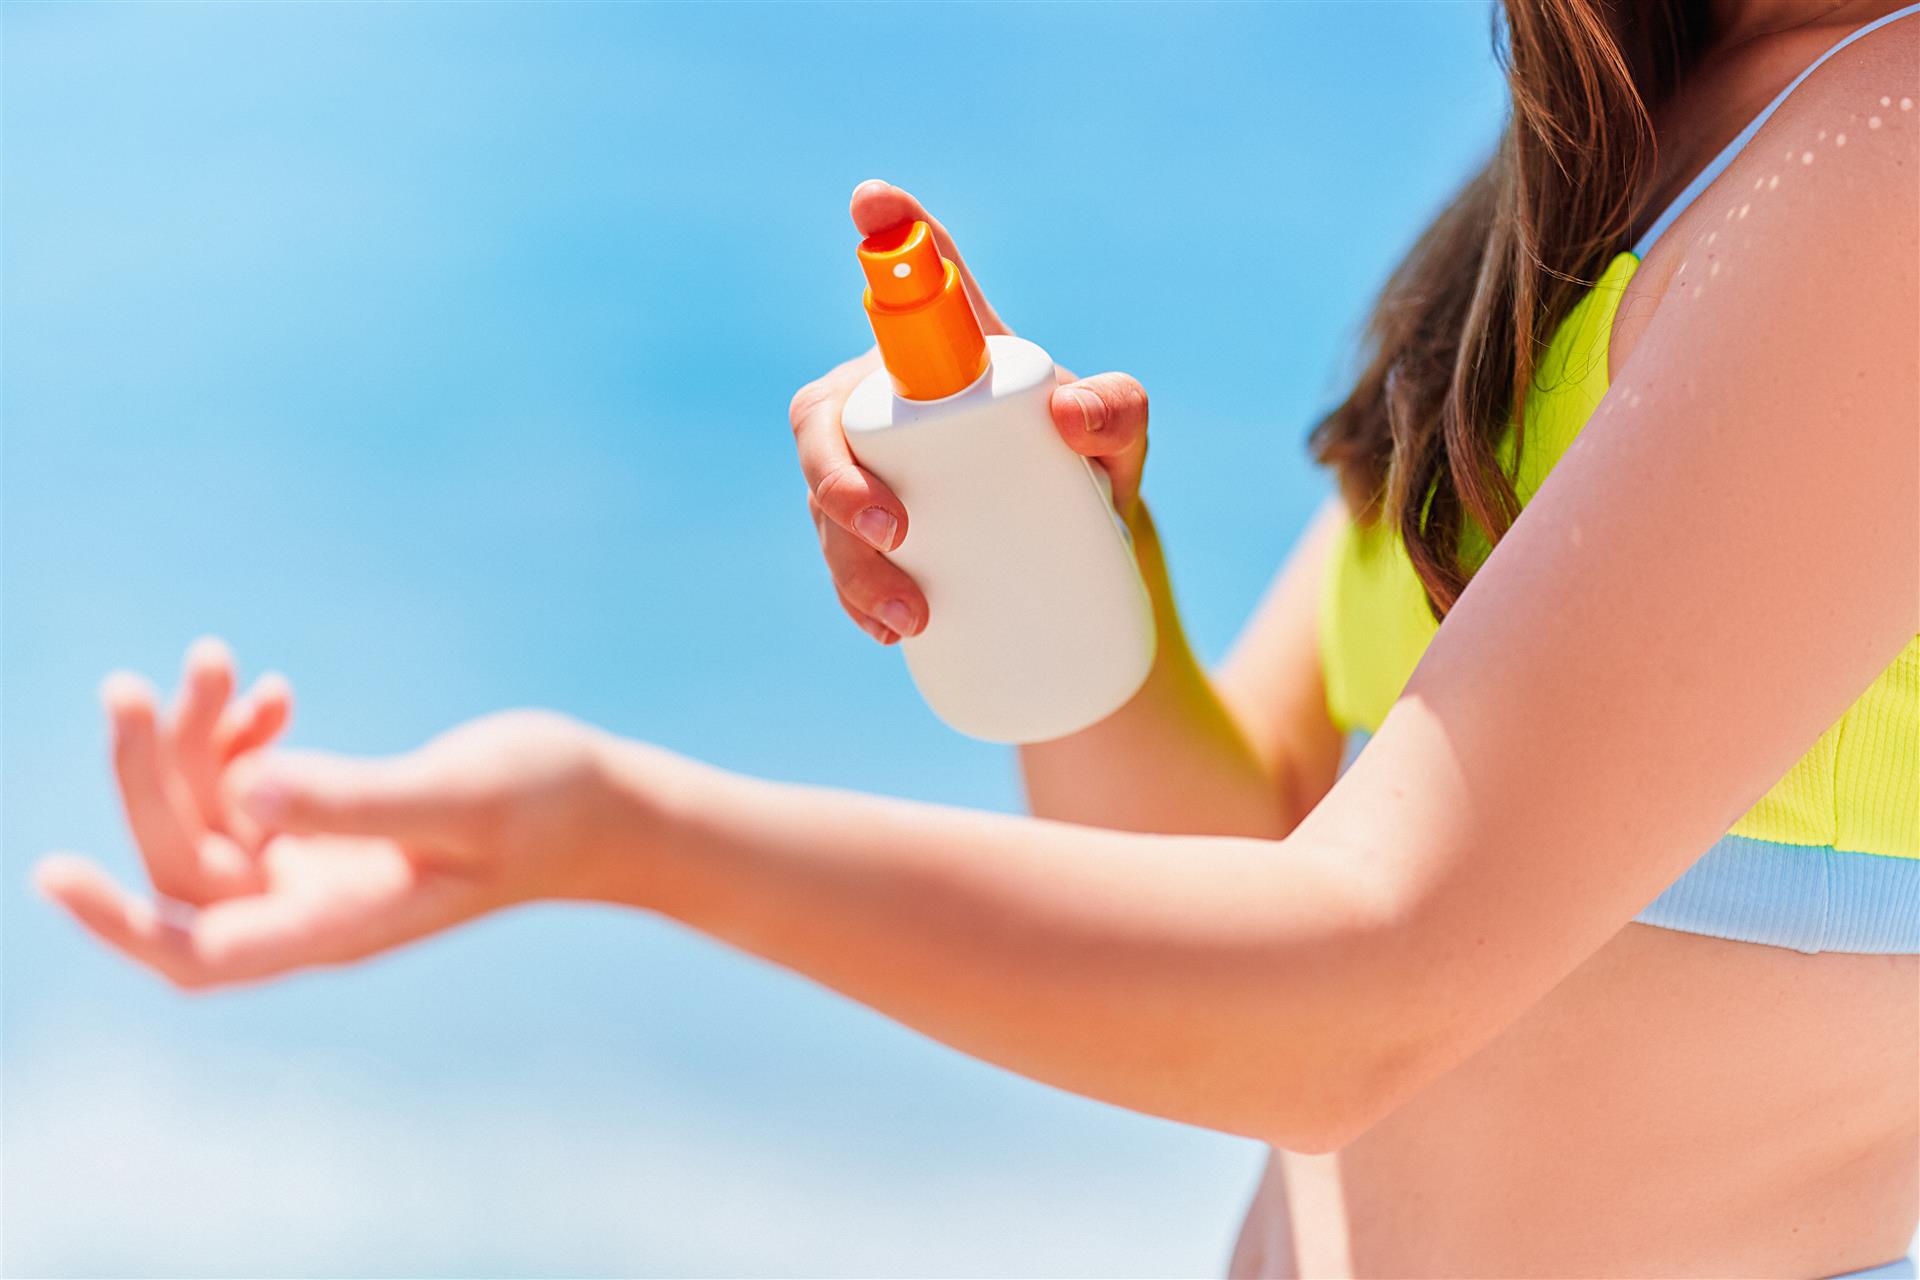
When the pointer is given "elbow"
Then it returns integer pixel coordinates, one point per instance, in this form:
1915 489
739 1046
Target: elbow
1326 1131
1350 1078
1362 1036
1342 1074
1321 1121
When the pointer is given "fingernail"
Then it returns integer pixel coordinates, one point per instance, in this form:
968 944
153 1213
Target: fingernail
896 615
1093 410
870 182
876 526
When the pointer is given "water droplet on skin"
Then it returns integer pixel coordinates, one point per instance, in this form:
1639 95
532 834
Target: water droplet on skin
1745 209
1885 101
1635 401
1822 137
1758 183
1906 104
1712 236
1730 214
1806 157
1773 182
1713 271
1873 122
1698 290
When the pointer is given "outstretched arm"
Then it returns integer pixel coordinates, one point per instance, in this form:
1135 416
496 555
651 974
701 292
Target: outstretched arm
1705 583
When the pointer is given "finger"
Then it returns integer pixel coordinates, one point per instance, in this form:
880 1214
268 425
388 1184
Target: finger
874 628
850 495
206 684
354 898
254 719
354 912
135 928
402 798
229 862
872 584
879 632
237 940
159 811
1105 417
878 205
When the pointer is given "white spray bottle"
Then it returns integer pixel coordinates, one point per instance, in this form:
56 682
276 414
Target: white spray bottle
1038 622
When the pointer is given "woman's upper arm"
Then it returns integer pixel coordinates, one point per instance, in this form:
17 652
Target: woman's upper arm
1726 557
1271 681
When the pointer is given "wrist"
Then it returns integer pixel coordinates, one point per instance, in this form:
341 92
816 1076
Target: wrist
635 845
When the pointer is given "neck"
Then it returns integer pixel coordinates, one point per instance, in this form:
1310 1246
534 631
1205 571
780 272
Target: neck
1736 22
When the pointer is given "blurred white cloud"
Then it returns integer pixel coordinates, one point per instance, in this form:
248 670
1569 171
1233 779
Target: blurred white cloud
132 1158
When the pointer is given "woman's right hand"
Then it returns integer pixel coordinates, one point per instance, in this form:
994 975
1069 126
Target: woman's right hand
858 518
266 863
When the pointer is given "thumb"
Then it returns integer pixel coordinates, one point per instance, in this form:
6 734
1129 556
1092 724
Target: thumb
399 797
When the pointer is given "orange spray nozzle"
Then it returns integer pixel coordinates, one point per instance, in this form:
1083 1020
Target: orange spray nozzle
929 338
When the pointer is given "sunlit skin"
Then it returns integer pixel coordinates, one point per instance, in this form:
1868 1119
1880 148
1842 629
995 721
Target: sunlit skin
1422 975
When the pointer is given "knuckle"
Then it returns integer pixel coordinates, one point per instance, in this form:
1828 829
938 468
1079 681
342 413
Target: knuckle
807 401
839 556
483 819
841 491
170 880
1129 395
872 583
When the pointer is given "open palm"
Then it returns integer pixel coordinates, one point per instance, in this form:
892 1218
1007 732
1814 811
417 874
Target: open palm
236 900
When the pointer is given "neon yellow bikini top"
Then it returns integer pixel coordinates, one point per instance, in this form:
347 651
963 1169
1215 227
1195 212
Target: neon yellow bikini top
1829 859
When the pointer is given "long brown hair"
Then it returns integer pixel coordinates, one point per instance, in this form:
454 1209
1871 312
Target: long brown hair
1451 344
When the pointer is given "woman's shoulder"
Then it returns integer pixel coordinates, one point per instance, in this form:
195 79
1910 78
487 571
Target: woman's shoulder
1858 112
1828 189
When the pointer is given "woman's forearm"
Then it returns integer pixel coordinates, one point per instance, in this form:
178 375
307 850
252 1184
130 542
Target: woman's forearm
1173 759
1213 980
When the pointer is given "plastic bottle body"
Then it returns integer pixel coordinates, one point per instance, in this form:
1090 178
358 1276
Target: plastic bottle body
1038 622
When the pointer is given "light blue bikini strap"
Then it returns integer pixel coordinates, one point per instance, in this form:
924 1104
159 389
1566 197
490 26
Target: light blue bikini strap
1719 163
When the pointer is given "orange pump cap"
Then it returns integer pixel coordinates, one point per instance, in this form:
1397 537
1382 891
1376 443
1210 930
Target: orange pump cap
929 338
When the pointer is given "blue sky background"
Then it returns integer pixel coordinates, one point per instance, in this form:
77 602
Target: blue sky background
438 355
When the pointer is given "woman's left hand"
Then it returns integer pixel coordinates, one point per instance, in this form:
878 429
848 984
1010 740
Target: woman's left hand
266 864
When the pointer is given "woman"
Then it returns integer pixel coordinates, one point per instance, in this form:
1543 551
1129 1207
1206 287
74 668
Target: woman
1599 959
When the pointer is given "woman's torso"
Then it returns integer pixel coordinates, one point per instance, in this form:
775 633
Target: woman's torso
1681 1104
